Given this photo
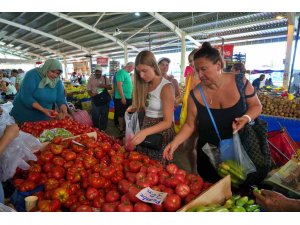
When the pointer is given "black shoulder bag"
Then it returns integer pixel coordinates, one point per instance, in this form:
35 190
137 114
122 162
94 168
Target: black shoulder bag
254 140
103 98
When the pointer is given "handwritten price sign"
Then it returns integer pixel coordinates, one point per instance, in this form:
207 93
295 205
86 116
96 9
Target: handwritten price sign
151 196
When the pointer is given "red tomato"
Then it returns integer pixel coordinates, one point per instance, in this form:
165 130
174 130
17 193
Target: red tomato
27 185
91 193
117 176
106 146
69 156
46 156
182 190
117 158
109 207
49 205
98 202
61 194
107 172
35 177
58 161
152 169
157 208
152 178
135 166
189 198
51 184
172 168
171 182
97 182
56 149
70 201
58 172
172 202
112 196
142 207
124 185
125 207
89 161
35 168
132 192
135 156
48 166
57 140
84 208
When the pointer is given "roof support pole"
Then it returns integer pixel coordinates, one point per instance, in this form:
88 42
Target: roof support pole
289 44
183 52
125 54
66 71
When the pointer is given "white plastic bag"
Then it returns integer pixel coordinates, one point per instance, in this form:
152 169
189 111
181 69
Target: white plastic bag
241 156
213 154
19 151
132 127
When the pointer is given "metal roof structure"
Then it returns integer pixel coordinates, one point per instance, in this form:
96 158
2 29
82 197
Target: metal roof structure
77 35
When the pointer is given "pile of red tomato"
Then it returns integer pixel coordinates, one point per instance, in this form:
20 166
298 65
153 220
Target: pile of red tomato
36 128
88 175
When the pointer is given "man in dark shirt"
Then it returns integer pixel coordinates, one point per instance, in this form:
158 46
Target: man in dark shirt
256 82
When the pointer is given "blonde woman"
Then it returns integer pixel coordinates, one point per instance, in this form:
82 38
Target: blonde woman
154 95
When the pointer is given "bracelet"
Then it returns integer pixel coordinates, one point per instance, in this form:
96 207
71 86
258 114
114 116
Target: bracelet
247 116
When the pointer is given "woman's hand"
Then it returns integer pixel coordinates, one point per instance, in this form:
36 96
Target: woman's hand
169 151
50 113
131 109
272 201
138 138
239 123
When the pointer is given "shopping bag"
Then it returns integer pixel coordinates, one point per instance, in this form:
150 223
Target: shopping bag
132 127
241 156
282 147
83 117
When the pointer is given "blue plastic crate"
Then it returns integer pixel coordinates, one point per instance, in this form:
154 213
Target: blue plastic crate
17 198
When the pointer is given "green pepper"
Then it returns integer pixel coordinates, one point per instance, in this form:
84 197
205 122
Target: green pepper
250 202
238 209
191 210
251 208
202 209
257 210
256 190
229 203
220 209
241 201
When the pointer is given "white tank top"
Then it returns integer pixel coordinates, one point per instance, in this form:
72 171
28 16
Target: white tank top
154 103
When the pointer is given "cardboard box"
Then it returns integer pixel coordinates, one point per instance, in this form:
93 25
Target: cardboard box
216 194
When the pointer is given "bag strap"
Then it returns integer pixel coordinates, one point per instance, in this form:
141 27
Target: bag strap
209 112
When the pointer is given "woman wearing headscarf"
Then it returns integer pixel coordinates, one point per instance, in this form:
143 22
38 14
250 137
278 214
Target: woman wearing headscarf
40 89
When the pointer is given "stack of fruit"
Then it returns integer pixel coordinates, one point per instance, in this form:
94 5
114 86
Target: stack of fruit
85 174
280 106
236 203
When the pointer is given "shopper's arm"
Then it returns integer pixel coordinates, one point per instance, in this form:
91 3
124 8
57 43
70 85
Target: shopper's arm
10 133
120 89
186 131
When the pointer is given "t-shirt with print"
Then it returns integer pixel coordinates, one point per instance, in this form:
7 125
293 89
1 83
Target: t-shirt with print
124 77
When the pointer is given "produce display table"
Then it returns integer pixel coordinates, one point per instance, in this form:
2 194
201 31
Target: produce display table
276 123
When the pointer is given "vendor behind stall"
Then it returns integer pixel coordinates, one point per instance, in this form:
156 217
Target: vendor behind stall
40 89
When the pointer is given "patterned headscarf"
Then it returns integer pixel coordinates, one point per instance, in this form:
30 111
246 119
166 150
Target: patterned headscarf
50 64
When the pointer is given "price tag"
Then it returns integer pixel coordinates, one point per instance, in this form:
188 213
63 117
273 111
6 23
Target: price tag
151 196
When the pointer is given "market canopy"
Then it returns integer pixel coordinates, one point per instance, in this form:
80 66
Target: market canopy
78 35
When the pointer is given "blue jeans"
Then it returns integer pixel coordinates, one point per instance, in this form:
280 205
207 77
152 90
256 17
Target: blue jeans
100 116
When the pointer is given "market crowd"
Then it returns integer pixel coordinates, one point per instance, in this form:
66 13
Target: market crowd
213 104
